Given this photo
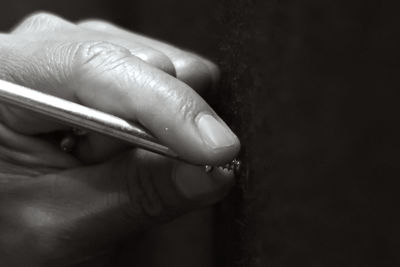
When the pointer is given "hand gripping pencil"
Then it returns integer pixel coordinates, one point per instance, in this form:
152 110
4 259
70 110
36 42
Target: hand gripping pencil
86 118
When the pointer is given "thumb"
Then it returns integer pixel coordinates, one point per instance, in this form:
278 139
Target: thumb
151 188
74 214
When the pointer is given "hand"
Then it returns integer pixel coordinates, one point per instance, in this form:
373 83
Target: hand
61 209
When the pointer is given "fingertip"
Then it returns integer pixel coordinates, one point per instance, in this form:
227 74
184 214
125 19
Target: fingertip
204 140
219 141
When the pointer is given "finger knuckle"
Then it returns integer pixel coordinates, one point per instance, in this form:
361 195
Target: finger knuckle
95 24
193 71
157 59
98 53
187 107
214 70
40 21
183 101
147 54
194 63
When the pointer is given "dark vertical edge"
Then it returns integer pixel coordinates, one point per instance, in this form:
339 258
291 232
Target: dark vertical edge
234 106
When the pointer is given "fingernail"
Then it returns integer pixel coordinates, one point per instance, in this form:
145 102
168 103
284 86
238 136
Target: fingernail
194 183
214 133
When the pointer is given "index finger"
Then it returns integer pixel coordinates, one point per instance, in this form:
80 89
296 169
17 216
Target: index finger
109 78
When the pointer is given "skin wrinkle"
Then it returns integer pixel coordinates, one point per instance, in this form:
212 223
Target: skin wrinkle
11 156
134 193
31 152
83 57
12 171
54 58
132 75
186 105
18 119
11 62
119 63
62 54
148 54
46 61
10 73
182 60
151 204
89 51
31 162
8 60
90 94
10 139
34 69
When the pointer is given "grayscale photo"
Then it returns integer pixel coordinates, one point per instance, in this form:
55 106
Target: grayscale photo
228 133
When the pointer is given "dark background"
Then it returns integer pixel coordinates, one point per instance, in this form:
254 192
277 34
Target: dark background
310 87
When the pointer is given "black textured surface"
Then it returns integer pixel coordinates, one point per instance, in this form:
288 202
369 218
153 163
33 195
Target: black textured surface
314 87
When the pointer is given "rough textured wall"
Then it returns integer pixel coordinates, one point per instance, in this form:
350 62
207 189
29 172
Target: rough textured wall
314 85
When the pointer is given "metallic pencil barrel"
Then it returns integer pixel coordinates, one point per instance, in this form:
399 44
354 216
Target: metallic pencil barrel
82 117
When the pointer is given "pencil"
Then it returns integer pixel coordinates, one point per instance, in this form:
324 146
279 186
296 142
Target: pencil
82 117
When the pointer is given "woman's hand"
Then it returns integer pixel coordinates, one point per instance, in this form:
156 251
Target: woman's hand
60 208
